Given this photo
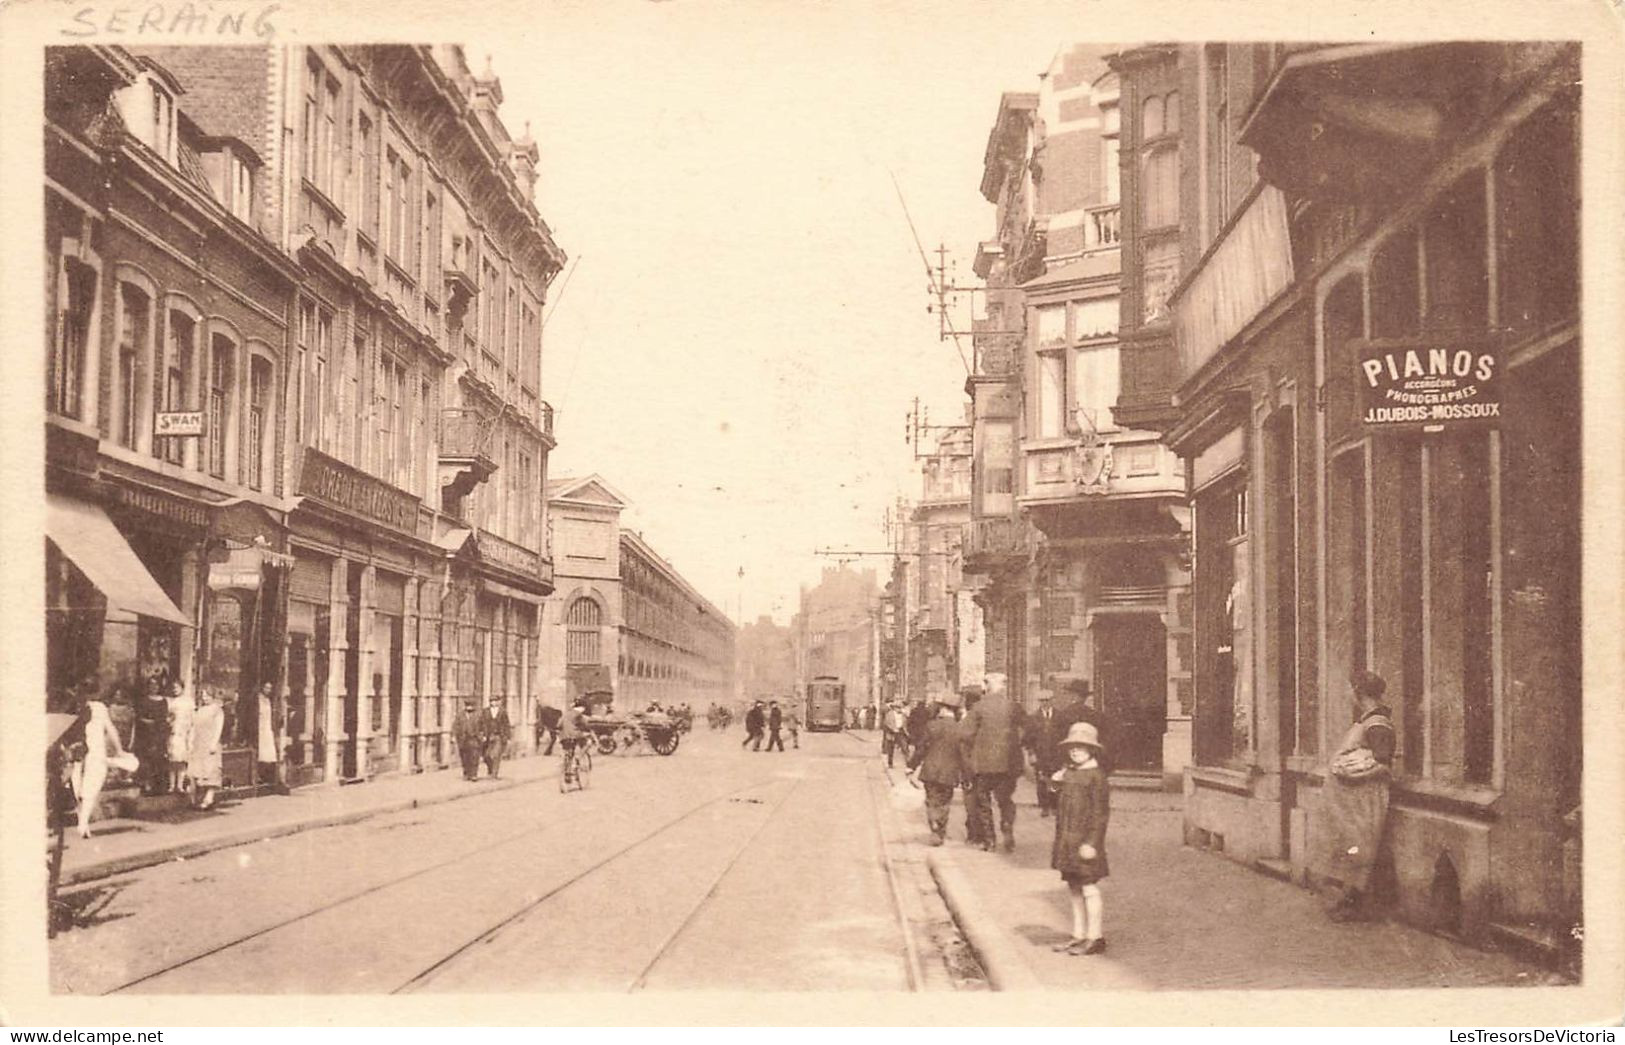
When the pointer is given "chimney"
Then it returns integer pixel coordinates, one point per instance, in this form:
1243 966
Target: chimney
522 157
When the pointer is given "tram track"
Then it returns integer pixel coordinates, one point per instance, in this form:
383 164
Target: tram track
530 834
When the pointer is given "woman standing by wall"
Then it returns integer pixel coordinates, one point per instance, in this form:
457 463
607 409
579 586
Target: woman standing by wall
203 763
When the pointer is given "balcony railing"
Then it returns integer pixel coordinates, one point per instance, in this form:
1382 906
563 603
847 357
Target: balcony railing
994 538
1135 465
1103 228
546 420
464 434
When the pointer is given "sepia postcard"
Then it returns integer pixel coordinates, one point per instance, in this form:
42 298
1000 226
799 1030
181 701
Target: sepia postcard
720 513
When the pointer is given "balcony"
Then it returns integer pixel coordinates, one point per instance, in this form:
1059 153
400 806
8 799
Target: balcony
992 542
465 459
1124 466
1102 227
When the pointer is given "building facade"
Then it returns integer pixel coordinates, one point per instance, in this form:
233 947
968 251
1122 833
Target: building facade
835 632
1373 385
377 391
581 632
167 313
767 660
676 646
944 630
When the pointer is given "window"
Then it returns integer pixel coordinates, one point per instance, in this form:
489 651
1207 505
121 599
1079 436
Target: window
180 378
320 139
1051 419
431 243
491 325
420 441
1151 113
163 122
1051 325
398 216
321 430
259 421
302 356
1170 119
1537 195
222 375
367 152
530 371
1095 386
330 138
133 379
76 300
1223 727
1096 317
310 125
353 416
388 393
242 186
1113 160
1219 188
1159 189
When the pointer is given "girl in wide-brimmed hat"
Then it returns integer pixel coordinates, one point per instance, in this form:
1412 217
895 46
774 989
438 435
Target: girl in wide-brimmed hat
1082 808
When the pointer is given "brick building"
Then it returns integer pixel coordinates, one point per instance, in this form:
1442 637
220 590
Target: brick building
1341 206
167 312
374 385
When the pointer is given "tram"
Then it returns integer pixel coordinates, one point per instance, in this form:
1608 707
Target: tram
826 704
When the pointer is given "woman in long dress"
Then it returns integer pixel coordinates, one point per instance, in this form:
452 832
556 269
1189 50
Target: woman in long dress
90 773
1354 800
181 712
151 740
203 764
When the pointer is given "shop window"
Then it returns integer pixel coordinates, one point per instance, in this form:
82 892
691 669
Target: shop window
180 378
222 387
1297 711
1537 222
1224 700
1456 245
1347 572
132 378
1396 308
76 302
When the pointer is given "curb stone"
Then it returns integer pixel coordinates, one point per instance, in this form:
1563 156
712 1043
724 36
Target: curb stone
245 836
1006 968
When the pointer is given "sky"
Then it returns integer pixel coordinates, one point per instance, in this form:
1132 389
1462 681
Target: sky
744 330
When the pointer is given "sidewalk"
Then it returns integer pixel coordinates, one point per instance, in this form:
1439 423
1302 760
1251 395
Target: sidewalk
1177 918
120 845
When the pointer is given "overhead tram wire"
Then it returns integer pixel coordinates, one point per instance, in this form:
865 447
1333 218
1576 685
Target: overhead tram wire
931 279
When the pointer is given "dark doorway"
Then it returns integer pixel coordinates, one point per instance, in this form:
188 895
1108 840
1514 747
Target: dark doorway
1131 677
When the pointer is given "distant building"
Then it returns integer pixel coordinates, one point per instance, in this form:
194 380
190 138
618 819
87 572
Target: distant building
581 635
942 626
767 659
835 632
676 646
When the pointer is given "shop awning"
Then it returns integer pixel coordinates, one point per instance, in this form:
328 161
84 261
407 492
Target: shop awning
85 534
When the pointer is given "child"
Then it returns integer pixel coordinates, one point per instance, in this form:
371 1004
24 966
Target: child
1079 852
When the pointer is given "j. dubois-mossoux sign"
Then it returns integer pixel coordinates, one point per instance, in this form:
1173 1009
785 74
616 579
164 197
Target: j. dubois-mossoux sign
1429 383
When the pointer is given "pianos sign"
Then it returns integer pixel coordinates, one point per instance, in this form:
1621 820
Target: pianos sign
1432 385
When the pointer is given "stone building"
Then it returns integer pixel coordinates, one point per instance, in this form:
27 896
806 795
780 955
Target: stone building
675 645
581 622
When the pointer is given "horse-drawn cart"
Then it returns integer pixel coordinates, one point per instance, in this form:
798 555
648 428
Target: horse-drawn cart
658 733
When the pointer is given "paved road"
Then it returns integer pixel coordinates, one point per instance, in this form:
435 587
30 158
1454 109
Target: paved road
713 868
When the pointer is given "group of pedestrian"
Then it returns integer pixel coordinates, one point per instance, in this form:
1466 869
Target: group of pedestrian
767 719
483 735
980 752
719 716
174 744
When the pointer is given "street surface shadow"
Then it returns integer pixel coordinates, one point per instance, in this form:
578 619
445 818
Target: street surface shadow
87 908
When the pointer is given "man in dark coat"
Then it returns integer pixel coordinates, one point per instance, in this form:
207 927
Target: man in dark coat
495 729
1082 708
754 721
1041 740
465 733
992 738
775 722
919 717
937 764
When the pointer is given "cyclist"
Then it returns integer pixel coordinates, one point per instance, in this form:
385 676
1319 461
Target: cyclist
572 733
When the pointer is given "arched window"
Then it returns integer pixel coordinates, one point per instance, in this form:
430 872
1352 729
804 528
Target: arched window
260 457
221 394
132 372
583 619
1151 117
70 355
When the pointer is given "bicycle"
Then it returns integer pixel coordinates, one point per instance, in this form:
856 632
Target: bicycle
576 771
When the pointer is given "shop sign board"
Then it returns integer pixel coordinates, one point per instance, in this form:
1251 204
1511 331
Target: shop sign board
178 423
358 493
1430 384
